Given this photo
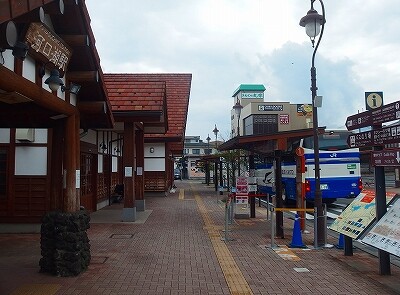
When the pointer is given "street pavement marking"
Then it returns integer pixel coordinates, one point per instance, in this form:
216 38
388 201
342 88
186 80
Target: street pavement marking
37 289
234 278
286 254
181 194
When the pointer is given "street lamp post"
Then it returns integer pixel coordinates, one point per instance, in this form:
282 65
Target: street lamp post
207 165
215 164
314 24
238 109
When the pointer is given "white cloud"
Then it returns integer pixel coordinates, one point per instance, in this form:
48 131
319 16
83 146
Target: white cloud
224 43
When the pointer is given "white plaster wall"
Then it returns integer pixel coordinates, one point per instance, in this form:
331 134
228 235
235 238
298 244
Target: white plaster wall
72 99
30 160
154 161
28 69
114 164
41 135
90 137
154 164
8 60
159 150
100 163
4 135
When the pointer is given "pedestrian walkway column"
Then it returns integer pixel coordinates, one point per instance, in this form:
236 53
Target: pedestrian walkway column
129 210
139 181
71 201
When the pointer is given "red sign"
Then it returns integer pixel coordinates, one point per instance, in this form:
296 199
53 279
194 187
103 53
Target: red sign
284 119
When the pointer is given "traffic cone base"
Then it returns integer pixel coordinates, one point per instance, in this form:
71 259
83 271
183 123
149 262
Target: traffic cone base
340 244
297 241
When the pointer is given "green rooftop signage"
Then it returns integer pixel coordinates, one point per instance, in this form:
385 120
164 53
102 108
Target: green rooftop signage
252 95
250 88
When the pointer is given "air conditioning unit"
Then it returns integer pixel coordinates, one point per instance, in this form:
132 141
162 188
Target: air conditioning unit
25 135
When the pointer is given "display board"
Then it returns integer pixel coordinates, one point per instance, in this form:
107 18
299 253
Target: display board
385 234
360 213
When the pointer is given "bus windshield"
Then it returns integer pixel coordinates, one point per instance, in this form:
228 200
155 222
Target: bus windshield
329 141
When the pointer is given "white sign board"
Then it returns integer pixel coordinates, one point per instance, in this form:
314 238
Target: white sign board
385 234
242 200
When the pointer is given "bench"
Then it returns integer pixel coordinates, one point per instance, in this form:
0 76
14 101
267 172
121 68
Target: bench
118 194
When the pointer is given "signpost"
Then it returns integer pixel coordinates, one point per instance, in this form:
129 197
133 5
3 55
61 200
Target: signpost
377 138
386 158
377 116
382 136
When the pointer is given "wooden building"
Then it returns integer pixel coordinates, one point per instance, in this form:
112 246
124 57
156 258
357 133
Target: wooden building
62 144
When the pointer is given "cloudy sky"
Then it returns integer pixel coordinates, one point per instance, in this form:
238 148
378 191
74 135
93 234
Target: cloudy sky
225 43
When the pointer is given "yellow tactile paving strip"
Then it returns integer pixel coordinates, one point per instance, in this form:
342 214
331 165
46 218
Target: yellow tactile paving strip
37 289
234 278
286 254
181 194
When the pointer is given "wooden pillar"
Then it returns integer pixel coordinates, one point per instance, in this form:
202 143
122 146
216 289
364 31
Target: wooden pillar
169 173
129 210
78 161
139 181
56 150
70 202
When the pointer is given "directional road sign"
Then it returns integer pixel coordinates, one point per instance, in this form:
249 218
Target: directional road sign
386 158
382 136
377 116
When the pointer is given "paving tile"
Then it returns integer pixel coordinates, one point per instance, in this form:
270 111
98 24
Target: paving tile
178 250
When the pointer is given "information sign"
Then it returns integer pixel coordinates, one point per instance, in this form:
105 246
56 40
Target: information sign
358 215
386 158
385 234
386 113
382 136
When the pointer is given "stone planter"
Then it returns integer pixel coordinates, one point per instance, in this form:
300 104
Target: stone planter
64 243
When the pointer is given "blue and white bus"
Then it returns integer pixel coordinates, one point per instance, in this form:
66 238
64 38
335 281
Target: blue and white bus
340 173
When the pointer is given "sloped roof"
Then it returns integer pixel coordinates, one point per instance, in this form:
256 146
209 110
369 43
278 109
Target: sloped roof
177 102
128 95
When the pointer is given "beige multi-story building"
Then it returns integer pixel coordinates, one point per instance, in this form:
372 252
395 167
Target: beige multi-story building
258 116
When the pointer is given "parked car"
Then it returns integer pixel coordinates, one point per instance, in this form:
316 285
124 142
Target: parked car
177 174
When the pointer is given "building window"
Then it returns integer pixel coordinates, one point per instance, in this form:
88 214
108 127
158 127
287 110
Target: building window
196 151
3 173
261 124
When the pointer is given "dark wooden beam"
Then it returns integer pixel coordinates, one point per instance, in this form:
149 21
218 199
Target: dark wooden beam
83 76
10 82
76 40
93 107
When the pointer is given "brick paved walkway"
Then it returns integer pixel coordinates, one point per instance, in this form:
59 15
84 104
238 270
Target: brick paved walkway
177 249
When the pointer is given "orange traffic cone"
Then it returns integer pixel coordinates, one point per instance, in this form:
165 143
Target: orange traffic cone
297 241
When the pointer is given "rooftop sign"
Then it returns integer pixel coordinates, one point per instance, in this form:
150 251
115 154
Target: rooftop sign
258 95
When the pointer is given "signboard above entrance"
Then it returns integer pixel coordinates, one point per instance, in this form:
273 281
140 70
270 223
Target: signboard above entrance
47 46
